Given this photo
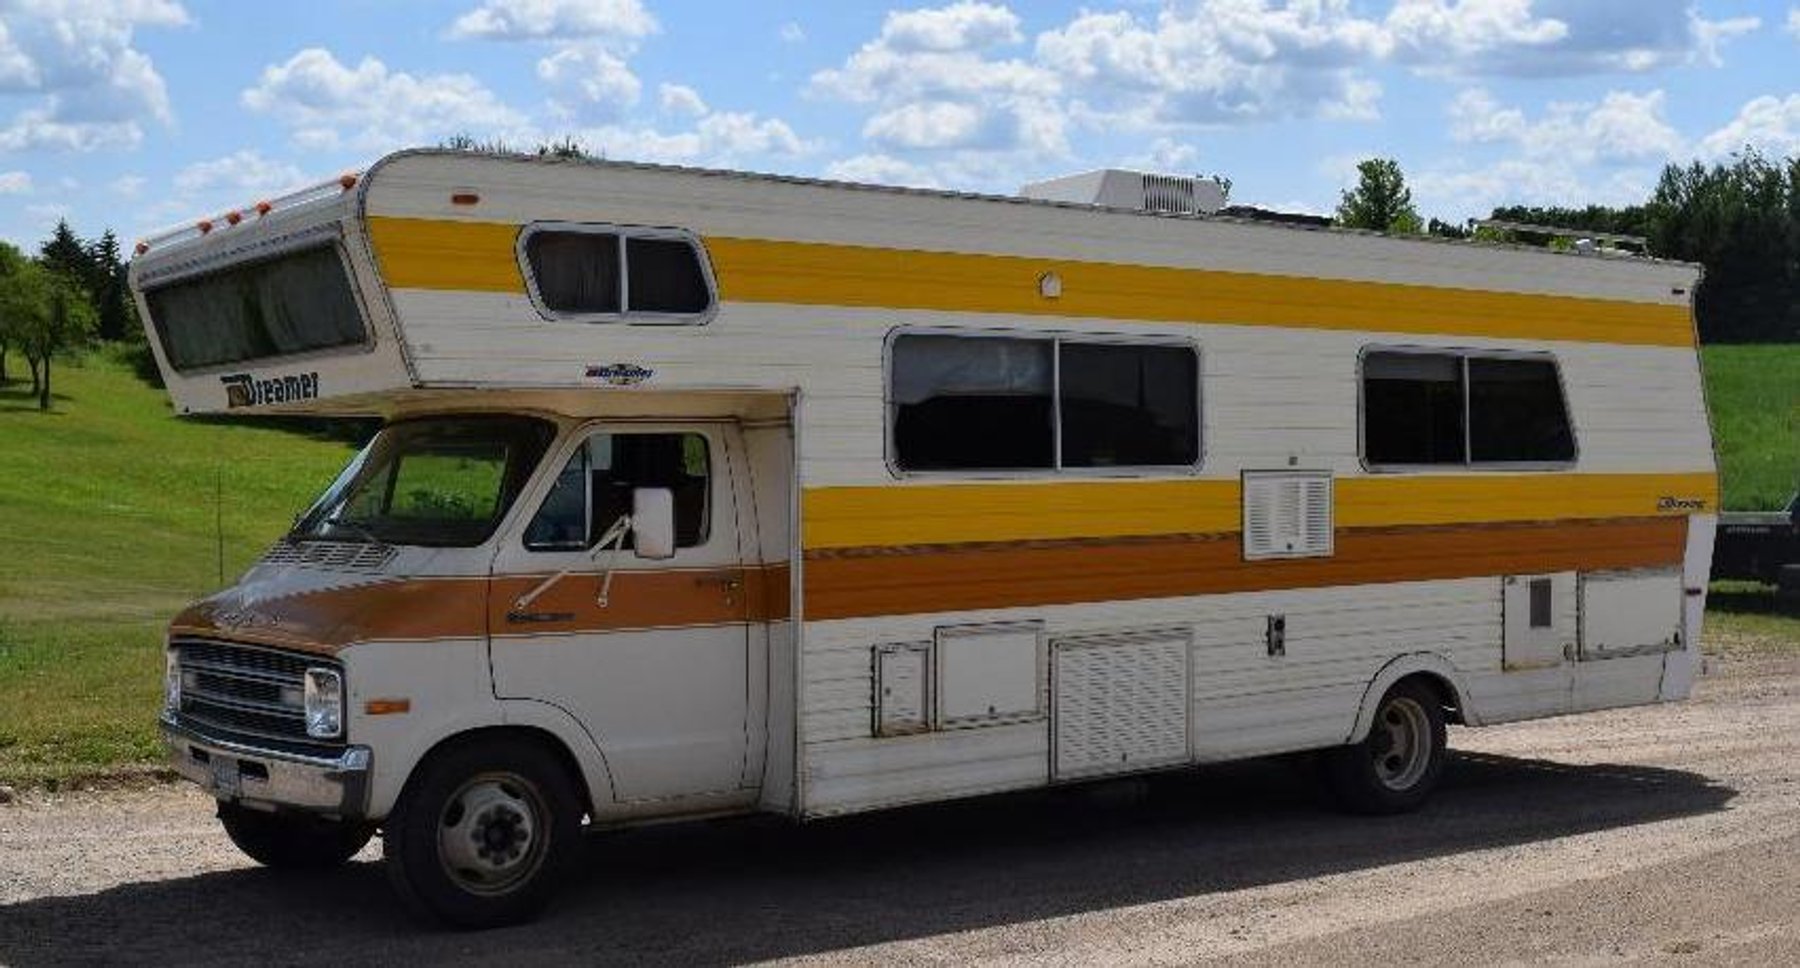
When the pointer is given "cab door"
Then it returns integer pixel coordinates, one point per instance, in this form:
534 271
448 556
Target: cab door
657 669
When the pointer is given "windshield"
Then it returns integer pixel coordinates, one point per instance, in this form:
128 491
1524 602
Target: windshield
441 482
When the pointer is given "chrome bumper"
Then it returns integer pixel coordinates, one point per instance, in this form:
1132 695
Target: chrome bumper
336 786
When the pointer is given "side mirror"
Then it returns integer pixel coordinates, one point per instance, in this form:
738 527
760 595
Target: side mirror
653 522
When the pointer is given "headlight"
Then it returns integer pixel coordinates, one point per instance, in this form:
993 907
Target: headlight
171 681
324 703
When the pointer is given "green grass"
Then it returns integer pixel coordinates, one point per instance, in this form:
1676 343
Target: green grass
1754 394
111 518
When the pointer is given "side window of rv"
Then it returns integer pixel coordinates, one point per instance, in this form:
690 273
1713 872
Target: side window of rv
1424 408
1007 403
593 490
616 274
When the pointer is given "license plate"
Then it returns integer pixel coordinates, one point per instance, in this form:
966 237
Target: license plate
227 777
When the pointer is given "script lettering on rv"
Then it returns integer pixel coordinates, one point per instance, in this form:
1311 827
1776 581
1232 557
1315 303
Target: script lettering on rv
1681 504
244 390
619 374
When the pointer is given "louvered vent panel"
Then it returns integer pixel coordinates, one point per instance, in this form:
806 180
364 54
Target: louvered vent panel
330 555
1163 193
1287 514
1121 703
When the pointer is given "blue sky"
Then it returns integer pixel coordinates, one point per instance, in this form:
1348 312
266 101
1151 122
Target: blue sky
136 114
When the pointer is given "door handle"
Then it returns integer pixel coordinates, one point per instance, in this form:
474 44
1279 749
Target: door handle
728 581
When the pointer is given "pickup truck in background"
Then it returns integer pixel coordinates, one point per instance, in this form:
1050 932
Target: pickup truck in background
1762 546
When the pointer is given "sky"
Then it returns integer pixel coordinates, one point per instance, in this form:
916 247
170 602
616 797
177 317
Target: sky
140 114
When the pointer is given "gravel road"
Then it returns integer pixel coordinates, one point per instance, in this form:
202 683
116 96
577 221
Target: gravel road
1654 834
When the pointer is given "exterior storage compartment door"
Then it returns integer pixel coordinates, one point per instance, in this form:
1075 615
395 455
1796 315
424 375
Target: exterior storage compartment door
1120 702
1630 613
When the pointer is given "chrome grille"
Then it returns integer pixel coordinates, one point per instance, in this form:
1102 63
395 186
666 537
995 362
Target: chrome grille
333 555
243 690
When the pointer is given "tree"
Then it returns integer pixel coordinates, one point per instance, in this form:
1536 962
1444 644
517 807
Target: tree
1742 221
65 254
116 314
12 262
1380 201
48 313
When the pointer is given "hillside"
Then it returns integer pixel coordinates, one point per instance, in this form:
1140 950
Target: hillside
1754 394
113 513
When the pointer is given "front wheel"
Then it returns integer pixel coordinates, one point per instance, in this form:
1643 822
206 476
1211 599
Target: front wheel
1397 766
482 834
292 841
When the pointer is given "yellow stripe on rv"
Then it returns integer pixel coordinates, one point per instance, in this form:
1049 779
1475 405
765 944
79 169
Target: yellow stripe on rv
913 515
456 255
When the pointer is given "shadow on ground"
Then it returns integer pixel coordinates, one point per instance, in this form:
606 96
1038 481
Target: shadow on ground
729 892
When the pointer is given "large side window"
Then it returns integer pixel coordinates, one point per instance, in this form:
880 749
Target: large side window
1455 408
593 490
607 273
980 402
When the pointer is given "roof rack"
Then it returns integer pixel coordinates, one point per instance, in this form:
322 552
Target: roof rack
294 199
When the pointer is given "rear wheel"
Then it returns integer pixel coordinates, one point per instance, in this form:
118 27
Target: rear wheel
1396 767
292 841
482 834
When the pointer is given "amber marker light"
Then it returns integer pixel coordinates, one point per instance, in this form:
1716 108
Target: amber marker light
387 707
263 208
464 198
348 181
234 218
143 247
204 225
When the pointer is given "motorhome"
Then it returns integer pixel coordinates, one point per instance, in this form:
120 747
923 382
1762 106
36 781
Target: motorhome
705 493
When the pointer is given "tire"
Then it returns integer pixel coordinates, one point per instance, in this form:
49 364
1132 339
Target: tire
483 834
292 841
1398 765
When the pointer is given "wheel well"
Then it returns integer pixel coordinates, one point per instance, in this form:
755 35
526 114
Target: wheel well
542 738
1446 694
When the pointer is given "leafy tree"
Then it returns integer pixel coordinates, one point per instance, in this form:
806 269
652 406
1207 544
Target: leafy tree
1742 221
1380 201
12 262
47 313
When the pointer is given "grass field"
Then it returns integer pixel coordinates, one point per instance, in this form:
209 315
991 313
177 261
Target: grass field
1754 394
110 516
111 513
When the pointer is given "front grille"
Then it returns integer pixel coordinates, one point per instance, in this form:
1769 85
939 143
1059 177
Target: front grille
245 691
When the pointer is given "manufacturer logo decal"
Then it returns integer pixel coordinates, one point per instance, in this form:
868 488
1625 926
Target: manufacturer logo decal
619 374
244 390
1671 503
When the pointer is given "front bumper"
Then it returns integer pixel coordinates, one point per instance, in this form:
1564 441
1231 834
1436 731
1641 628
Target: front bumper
336 786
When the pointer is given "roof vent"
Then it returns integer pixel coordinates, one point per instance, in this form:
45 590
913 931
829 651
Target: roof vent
1142 191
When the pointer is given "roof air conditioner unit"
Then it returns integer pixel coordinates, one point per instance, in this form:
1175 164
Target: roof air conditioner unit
1141 191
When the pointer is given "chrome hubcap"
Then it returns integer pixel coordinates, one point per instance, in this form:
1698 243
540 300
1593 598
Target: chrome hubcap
1401 743
488 834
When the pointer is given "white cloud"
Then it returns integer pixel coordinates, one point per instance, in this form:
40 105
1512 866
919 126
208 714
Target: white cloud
589 80
1623 127
93 88
1770 124
929 124
128 186
792 33
612 20
1710 36
878 169
327 103
681 99
239 175
15 183
960 26
1793 22
1454 190
723 139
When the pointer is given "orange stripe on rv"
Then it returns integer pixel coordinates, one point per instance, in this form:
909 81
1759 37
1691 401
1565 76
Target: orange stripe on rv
481 256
